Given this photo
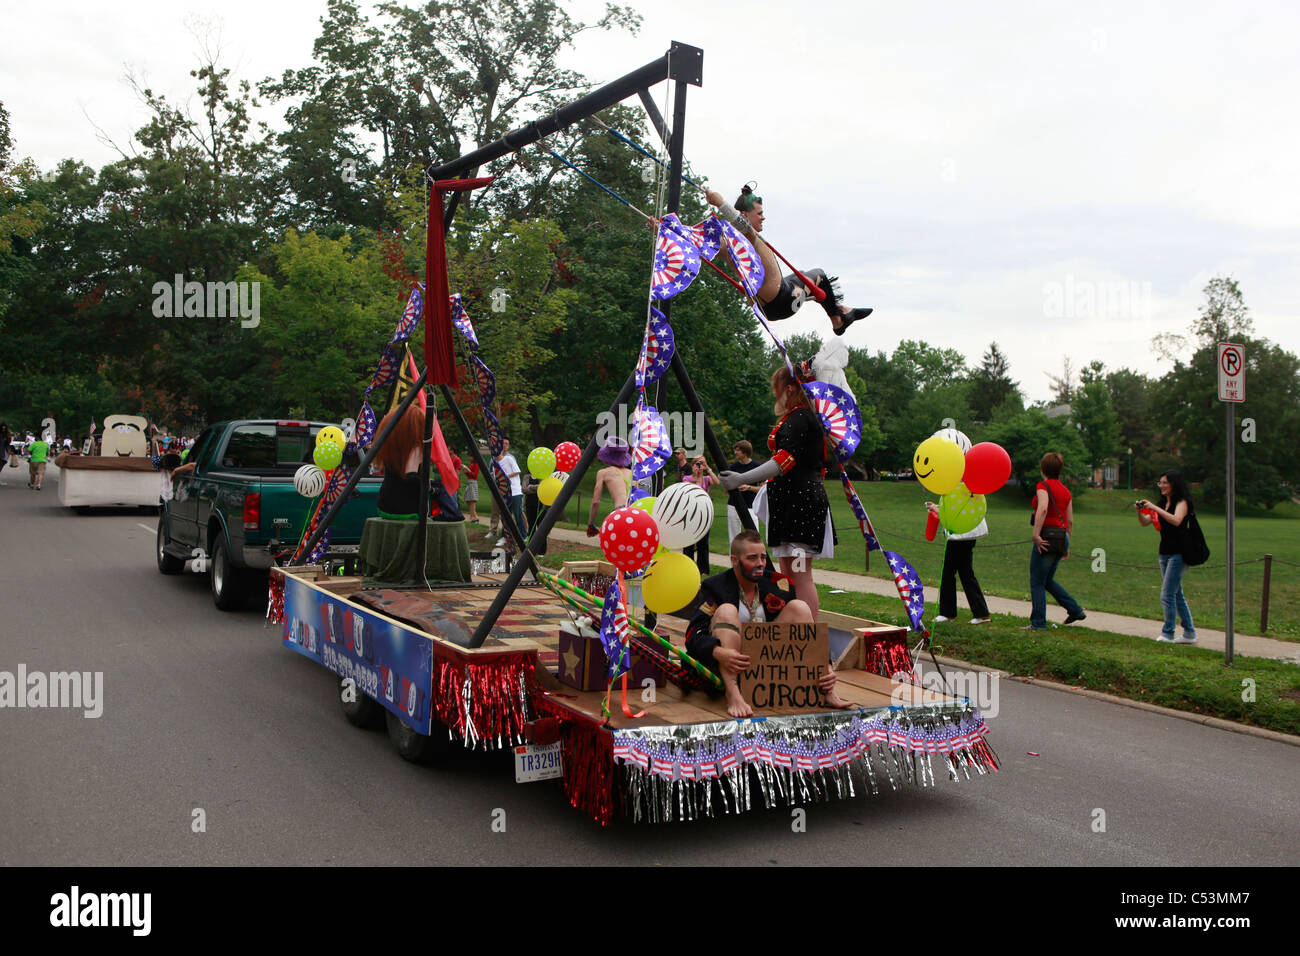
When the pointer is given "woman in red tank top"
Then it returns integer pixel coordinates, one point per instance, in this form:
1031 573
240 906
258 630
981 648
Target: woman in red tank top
1053 508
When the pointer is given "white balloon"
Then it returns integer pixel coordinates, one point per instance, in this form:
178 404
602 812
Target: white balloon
956 437
309 480
684 513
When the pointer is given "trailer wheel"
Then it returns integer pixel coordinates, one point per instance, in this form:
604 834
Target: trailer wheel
413 745
166 563
362 712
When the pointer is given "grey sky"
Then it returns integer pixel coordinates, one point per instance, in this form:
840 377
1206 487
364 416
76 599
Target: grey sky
957 164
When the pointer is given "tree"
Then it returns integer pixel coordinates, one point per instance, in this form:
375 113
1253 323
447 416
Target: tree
1029 436
1063 387
991 384
1098 425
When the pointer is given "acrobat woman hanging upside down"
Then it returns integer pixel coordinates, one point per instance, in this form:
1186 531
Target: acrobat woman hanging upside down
782 296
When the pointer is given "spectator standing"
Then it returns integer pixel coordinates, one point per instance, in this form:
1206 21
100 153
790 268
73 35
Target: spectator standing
38 452
1172 510
958 555
704 476
1053 509
744 462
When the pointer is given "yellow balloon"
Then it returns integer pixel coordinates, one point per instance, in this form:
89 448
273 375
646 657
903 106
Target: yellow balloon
670 583
331 433
550 487
939 464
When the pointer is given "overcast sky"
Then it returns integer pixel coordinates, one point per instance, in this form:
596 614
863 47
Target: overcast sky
1061 178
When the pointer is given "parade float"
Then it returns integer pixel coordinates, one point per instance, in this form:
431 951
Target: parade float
122 475
558 667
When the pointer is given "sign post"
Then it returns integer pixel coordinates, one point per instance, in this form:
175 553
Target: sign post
1232 389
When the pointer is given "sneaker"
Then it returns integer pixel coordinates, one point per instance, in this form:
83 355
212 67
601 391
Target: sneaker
500 541
978 620
1185 639
1071 618
1030 627
1166 639
943 620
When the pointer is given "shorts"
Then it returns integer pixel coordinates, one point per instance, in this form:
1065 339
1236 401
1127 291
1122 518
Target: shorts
35 468
471 490
788 300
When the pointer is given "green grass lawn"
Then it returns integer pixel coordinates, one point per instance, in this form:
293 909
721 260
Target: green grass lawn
1191 679
1103 519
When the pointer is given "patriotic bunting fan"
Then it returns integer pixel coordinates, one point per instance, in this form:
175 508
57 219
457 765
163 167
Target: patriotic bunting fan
745 256
496 442
676 260
909 587
613 632
486 381
650 444
461 320
840 418
410 315
656 350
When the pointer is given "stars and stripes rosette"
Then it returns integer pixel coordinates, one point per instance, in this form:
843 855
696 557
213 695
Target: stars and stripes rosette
706 237
460 319
656 350
486 381
650 444
613 632
366 425
745 256
909 587
495 439
387 369
410 315
676 260
840 418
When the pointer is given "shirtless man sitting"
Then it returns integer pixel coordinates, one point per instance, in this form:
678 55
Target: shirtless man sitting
735 597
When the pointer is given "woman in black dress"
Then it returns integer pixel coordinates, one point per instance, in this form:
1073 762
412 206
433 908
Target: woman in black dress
799 514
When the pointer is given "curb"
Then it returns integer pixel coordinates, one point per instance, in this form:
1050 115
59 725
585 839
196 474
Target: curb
1205 720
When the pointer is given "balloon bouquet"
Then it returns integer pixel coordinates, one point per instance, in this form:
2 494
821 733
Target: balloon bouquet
961 474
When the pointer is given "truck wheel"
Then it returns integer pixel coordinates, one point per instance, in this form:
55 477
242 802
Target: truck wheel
166 563
413 745
362 712
228 590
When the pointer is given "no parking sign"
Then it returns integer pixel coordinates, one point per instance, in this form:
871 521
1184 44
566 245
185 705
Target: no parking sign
1232 372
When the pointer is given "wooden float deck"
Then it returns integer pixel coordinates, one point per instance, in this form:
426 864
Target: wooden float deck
532 619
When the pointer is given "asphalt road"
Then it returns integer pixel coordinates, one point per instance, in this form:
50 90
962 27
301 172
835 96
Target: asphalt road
204 709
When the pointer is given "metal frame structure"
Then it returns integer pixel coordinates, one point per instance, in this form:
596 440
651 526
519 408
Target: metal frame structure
681 63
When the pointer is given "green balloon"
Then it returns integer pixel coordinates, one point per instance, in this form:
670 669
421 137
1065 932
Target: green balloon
960 511
647 504
327 455
541 463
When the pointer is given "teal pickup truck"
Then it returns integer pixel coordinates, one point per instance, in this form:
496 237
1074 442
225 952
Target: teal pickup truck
238 512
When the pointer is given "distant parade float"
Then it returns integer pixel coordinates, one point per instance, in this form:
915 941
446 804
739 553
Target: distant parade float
122 475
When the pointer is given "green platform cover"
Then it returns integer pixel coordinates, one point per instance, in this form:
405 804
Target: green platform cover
387 553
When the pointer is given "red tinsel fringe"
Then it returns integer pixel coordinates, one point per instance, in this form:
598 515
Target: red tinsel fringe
589 778
495 708
888 656
275 598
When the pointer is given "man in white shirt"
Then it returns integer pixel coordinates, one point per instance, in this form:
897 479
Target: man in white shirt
511 469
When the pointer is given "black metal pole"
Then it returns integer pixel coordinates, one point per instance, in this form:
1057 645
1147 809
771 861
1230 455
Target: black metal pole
656 118
544 526
681 60
367 457
507 519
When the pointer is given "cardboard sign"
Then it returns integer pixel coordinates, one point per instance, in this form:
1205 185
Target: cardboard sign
785 663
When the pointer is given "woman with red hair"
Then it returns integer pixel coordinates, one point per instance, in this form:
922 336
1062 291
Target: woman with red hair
798 511
399 495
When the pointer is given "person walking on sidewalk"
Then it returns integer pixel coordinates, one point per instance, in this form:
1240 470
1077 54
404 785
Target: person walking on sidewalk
1053 522
1172 511
957 560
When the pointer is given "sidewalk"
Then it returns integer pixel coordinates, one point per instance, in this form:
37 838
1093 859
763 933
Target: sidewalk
1242 644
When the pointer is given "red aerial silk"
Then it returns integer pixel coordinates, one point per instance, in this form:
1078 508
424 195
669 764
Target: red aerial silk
439 355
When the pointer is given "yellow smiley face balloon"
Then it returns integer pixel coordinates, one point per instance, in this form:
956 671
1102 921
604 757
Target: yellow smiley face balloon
939 464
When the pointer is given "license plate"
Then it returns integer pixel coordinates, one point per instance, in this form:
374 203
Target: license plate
533 762
345 548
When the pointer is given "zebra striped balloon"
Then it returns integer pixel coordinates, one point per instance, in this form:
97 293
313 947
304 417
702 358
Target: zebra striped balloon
684 513
309 480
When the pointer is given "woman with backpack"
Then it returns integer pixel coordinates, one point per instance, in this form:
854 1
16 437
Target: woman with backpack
1174 509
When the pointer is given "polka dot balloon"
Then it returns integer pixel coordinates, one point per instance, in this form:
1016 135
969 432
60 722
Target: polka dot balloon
628 539
567 455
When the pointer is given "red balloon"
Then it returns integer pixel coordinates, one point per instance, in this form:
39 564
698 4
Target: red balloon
988 466
566 456
629 538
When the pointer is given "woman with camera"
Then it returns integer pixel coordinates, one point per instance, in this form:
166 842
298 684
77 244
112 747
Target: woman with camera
1172 512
